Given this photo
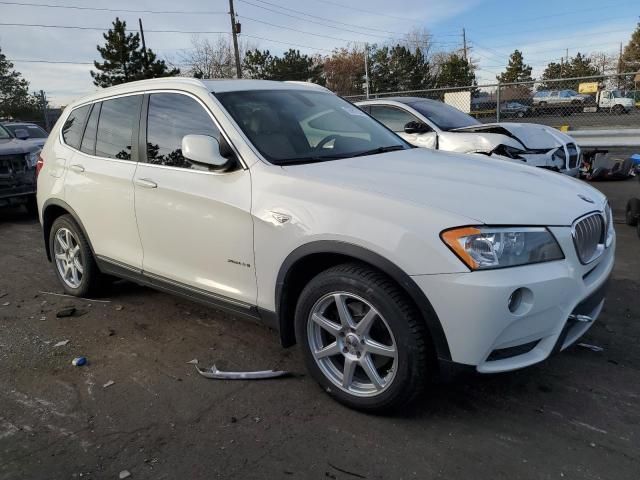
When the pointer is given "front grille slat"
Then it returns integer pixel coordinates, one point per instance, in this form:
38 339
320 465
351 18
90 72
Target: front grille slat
589 236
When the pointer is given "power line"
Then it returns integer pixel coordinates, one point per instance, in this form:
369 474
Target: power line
404 19
73 27
317 17
300 31
119 10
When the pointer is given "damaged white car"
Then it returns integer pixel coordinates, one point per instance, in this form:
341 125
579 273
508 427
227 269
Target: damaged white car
433 124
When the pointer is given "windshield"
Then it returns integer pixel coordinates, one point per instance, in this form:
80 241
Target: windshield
444 116
617 94
34 131
299 126
4 134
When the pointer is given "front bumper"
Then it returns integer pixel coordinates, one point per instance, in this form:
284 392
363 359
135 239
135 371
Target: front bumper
481 330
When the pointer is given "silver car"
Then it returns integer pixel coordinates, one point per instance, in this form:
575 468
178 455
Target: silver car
433 124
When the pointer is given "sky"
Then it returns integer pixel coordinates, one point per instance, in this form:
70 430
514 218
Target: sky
542 29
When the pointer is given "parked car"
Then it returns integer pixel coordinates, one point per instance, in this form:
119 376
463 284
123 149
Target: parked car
544 98
17 171
432 124
514 109
29 132
387 264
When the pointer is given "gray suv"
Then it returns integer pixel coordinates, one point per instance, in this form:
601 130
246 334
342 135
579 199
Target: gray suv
18 161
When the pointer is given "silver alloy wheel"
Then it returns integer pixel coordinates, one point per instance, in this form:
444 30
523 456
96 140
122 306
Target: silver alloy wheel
352 344
68 258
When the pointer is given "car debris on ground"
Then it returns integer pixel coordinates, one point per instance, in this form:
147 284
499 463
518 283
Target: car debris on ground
79 361
214 373
108 384
593 348
61 343
124 474
69 312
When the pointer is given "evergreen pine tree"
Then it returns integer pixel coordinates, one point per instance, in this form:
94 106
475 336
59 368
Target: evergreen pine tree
517 70
124 59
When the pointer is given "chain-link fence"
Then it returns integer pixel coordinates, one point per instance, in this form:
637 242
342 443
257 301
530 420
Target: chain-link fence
606 101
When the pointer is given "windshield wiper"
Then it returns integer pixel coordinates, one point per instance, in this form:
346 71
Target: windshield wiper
315 158
375 151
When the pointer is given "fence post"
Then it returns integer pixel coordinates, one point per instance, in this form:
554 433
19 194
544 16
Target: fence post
498 103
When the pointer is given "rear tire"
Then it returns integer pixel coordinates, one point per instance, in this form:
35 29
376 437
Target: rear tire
72 258
618 109
378 365
632 212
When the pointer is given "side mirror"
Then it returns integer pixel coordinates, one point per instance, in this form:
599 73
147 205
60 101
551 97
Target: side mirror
203 149
21 134
416 127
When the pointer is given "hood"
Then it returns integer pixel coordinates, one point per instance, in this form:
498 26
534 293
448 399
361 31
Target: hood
13 146
531 135
480 188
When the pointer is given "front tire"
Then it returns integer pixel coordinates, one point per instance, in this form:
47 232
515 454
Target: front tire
72 258
363 340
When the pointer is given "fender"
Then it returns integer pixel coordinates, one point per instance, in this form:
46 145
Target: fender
65 206
359 253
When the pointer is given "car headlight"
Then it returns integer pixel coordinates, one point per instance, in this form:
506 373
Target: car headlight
32 158
560 156
483 248
610 228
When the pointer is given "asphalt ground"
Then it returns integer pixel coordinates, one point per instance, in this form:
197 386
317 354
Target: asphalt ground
575 416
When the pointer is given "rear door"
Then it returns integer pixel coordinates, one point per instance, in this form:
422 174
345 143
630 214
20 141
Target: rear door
99 177
195 223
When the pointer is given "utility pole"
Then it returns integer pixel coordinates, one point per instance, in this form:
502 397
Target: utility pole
619 65
366 70
43 99
464 44
144 46
234 31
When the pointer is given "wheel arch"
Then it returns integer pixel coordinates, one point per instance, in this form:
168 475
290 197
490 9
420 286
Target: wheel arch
53 209
308 260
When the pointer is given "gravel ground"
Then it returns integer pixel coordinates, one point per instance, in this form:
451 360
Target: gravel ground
574 416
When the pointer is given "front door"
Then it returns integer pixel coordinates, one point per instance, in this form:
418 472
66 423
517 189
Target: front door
195 224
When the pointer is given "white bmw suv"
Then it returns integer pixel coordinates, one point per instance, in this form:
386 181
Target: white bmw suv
280 201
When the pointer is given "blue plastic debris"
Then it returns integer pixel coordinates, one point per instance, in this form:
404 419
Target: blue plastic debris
79 361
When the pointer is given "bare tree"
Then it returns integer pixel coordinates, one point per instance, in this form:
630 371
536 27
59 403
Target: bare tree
212 58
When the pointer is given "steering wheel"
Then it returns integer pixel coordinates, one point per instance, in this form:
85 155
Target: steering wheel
326 140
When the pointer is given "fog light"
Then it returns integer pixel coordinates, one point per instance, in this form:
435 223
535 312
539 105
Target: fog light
515 300
520 301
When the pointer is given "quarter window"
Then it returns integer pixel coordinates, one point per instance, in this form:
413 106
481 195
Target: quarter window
393 118
72 128
88 144
172 116
118 118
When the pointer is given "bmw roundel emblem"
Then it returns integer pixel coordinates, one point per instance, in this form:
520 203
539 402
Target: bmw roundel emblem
585 198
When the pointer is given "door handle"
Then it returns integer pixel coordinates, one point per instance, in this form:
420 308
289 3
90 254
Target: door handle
146 183
77 168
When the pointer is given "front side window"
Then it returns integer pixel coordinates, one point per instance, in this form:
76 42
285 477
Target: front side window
444 116
171 116
72 128
118 118
301 126
391 117
4 134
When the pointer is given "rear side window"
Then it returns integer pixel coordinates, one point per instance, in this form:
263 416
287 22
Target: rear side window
88 144
171 116
72 128
118 117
